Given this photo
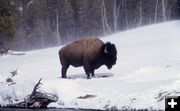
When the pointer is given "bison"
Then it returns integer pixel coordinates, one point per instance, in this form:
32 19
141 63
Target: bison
89 52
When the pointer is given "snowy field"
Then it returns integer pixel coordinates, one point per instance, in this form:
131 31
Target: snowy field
147 69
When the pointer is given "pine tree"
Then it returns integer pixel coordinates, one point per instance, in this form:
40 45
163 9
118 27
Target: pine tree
8 17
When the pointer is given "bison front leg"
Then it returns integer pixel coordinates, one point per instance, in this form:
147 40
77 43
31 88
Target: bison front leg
64 71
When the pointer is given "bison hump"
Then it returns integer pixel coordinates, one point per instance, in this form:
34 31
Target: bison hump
87 48
90 43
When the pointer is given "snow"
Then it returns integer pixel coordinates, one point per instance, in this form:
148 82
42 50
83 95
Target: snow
147 68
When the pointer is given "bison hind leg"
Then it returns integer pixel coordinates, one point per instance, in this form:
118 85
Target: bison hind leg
92 72
88 74
64 70
87 69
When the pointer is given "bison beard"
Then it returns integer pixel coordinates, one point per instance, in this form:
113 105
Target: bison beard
91 53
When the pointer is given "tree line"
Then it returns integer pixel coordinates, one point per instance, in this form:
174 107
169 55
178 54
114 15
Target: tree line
30 24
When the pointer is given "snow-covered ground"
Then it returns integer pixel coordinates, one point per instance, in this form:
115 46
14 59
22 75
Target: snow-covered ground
147 69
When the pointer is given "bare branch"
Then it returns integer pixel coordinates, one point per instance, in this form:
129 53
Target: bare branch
36 87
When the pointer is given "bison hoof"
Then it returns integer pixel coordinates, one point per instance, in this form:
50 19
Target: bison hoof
93 77
64 77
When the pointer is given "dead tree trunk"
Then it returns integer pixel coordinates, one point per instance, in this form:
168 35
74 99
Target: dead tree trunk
35 99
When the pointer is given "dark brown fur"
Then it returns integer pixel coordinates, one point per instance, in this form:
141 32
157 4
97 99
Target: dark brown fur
87 52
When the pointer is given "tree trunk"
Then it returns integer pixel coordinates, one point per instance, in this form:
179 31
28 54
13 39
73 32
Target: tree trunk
163 10
140 13
103 23
155 14
57 28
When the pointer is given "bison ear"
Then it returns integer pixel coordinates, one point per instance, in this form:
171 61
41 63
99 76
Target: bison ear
105 50
106 47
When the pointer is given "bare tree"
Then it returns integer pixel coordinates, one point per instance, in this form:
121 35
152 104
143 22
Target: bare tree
57 28
140 13
155 14
169 12
106 26
103 23
42 40
116 13
163 10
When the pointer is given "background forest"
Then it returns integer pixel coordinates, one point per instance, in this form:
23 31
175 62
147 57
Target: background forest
32 24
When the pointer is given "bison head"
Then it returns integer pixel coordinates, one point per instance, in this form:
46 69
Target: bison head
109 54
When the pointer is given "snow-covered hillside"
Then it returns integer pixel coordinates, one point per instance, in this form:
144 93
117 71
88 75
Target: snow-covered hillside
146 70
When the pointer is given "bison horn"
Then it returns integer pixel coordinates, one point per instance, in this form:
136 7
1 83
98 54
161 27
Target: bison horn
105 50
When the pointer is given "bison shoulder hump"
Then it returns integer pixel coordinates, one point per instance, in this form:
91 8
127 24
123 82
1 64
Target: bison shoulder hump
92 42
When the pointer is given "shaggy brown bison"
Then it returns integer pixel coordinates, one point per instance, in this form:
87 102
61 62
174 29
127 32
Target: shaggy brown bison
89 52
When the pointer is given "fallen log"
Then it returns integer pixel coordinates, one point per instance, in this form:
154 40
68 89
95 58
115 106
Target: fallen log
15 53
35 99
